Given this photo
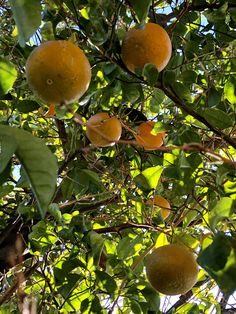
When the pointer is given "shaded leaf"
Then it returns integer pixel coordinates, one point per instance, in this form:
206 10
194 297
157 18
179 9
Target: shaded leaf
39 163
150 73
218 118
141 8
214 97
27 15
5 174
152 297
188 77
5 189
182 91
96 243
106 282
157 98
7 149
26 106
219 260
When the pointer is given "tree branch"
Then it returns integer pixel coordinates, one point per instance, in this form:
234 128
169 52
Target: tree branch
127 225
201 7
9 292
179 103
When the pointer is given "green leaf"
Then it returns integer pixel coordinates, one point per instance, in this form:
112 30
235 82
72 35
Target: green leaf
26 106
8 75
6 189
142 183
219 260
214 97
27 15
135 307
141 8
150 73
42 237
230 92
189 136
96 243
7 149
153 175
96 307
105 281
39 164
70 284
188 77
126 246
130 91
157 98
152 297
224 208
5 174
54 210
86 180
217 15
149 178
183 162
218 118
182 91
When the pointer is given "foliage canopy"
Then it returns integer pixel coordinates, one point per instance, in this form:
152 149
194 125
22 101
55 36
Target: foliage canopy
82 212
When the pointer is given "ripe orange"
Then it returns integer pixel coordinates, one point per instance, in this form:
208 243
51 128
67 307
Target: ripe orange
58 72
151 44
161 202
145 138
172 269
103 130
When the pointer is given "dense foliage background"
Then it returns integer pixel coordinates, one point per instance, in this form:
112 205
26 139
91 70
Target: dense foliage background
85 246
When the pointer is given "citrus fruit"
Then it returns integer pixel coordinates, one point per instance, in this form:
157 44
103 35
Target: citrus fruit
172 269
146 137
103 130
151 44
58 72
162 203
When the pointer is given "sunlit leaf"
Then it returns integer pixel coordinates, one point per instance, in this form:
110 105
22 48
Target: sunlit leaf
230 92
224 208
8 75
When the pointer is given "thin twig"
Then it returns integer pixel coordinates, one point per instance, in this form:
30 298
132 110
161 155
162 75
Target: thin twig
9 292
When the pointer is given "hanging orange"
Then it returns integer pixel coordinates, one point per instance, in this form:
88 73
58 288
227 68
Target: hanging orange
58 72
151 44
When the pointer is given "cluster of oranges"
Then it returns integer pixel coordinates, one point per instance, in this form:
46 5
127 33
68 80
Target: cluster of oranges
103 130
59 73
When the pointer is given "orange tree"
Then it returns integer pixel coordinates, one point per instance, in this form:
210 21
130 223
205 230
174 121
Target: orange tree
76 220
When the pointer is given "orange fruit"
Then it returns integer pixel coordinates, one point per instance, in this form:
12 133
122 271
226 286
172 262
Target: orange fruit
145 138
162 203
172 269
151 44
103 130
58 72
